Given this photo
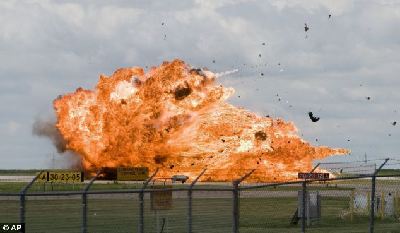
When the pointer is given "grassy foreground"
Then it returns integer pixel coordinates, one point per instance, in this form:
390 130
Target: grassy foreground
120 214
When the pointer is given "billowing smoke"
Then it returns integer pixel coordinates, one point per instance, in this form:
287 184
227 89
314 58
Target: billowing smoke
47 128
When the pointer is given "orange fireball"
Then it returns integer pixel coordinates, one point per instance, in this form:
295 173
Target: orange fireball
175 118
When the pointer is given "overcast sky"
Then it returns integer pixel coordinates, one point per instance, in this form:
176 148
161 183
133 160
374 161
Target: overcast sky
49 48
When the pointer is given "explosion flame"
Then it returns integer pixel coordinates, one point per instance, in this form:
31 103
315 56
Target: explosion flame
175 118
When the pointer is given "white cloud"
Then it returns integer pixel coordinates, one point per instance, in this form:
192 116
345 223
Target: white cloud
336 7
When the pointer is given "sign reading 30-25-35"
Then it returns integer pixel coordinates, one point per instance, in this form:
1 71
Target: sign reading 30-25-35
61 176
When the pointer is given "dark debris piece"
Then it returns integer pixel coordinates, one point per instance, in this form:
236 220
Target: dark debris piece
312 117
181 92
197 71
306 28
159 159
260 135
263 43
329 16
368 98
394 123
259 55
262 74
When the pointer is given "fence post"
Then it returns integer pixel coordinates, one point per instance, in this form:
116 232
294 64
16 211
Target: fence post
373 185
235 206
141 202
84 201
22 208
141 211
22 198
84 212
190 192
303 207
235 203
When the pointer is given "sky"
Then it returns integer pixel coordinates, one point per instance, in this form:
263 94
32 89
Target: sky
48 48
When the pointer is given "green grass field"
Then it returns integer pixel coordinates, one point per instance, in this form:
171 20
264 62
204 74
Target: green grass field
12 187
110 214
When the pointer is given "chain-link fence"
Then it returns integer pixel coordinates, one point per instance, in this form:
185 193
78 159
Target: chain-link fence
333 205
348 204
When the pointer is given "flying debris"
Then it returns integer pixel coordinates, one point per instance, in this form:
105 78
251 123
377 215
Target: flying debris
329 16
213 61
259 55
162 24
312 117
394 123
263 43
306 28
368 98
262 74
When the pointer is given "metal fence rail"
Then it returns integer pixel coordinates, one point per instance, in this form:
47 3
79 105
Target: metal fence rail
363 203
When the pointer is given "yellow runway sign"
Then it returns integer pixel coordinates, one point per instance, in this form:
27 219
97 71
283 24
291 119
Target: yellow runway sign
61 176
132 173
